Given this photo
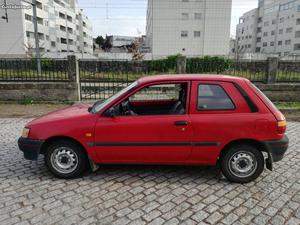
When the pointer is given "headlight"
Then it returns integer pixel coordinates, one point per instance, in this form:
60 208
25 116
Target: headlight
25 132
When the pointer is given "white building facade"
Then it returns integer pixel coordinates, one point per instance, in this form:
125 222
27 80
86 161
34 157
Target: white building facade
63 29
272 28
189 27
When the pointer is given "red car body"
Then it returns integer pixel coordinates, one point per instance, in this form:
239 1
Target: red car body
194 138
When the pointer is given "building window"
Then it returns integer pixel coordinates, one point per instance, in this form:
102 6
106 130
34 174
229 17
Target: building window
297 47
288 42
185 0
265 34
197 34
47 37
298 21
258 40
279 42
184 33
289 30
280 31
266 23
265 44
273 21
213 97
297 34
184 16
257 49
63 41
198 16
46 23
53 43
272 43
259 20
28 17
61 15
249 46
273 32
258 29
281 20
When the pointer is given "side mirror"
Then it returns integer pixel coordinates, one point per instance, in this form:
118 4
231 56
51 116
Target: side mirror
111 112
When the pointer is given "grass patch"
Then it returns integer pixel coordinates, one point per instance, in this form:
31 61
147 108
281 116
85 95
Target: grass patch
288 105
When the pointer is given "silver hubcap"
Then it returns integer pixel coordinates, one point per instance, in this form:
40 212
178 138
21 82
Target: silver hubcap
64 160
243 164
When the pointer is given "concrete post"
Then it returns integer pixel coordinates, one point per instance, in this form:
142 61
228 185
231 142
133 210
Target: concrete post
272 68
181 65
73 72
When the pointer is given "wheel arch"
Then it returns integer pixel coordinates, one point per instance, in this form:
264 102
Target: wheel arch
53 139
252 142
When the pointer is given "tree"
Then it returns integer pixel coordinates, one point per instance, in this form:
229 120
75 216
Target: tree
106 46
100 41
135 50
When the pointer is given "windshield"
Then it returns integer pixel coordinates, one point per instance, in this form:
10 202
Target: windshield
99 107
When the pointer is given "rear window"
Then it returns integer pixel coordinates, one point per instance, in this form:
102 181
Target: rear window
264 96
213 97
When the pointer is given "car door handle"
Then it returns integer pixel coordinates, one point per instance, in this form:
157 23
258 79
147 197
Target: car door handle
181 123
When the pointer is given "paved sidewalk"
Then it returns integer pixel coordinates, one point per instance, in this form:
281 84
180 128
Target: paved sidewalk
144 194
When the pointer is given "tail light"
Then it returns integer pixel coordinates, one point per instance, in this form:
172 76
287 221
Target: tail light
281 126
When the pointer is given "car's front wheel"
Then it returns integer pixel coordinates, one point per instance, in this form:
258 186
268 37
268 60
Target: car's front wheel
66 159
242 163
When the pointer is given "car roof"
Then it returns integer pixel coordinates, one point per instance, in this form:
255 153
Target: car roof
184 77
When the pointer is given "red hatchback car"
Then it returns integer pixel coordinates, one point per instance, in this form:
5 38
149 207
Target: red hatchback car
169 119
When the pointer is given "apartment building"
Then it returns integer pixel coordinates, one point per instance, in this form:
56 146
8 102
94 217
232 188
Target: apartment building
62 29
189 27
272 28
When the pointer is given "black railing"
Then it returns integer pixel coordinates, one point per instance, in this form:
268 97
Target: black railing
25 70
254 71
288 71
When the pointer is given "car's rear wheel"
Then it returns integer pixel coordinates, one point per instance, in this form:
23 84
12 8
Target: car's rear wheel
66 159
242 163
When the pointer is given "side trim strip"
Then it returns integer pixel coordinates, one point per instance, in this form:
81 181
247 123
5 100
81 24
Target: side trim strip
115 144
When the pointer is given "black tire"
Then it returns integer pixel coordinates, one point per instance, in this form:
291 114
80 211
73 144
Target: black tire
249 156
76 151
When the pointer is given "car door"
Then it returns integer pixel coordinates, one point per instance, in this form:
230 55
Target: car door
143 138
219 114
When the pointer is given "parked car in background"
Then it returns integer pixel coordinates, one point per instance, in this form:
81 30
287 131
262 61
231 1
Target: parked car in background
179 119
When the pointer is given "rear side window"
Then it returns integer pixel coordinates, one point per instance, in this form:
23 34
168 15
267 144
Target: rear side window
213 97
265 97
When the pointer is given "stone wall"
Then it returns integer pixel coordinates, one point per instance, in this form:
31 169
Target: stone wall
39 91
281 92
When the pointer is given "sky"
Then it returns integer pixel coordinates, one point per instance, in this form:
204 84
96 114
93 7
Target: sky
128 17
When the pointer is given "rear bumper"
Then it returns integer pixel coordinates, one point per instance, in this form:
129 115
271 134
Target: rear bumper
277 148
30 148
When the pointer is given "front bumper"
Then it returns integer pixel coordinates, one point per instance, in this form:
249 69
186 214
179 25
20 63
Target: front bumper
277 148
30 148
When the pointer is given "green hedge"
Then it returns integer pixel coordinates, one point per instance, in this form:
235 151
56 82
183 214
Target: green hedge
162 65
207 64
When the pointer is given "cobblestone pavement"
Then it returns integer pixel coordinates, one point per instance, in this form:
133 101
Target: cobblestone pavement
144 194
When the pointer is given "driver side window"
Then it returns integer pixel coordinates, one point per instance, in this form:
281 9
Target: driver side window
157 92
162 99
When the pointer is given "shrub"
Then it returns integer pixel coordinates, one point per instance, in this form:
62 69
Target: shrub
207 64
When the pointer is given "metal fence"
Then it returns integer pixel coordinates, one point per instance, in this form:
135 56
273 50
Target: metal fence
100 79
114 72
25 70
